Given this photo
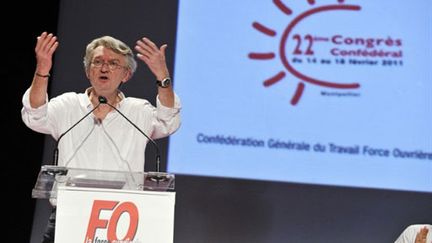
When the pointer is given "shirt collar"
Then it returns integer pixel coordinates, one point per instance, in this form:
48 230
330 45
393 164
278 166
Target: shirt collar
85 98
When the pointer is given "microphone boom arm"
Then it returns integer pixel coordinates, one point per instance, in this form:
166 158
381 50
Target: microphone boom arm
56 150
103 100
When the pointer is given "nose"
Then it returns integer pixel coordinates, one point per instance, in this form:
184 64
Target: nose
105 67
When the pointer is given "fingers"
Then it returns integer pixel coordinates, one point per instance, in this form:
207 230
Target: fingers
145 47
147 44
52 45
148 49
46 44
163 48
45 47
40 40
153 56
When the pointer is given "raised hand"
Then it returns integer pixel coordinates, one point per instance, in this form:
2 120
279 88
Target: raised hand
153 56
45 47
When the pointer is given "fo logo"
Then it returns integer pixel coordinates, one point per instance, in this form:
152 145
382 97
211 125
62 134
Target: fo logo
108 228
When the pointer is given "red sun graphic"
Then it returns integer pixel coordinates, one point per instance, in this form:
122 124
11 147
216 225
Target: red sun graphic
286 36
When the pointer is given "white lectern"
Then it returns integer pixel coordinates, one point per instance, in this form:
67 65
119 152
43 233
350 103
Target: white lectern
109 206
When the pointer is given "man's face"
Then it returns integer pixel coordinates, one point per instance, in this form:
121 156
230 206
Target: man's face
107 71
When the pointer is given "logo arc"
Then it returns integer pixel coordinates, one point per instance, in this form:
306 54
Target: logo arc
287 32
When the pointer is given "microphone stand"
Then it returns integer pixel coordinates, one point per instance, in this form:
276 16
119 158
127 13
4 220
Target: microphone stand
157 177
56 150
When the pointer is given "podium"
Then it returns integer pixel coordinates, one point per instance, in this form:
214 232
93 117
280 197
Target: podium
109 206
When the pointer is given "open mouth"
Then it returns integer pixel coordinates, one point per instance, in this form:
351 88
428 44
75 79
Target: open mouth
103 78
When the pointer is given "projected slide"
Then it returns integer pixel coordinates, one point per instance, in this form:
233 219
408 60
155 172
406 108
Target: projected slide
320 92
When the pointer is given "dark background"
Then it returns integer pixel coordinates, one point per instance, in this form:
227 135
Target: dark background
207 209
22 22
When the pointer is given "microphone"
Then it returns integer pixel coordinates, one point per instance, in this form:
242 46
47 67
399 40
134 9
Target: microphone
103 100
56 150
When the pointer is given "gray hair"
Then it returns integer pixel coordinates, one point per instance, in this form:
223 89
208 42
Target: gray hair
113 44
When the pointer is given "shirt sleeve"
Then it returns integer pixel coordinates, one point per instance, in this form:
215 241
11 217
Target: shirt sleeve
35 118
167 118
409 234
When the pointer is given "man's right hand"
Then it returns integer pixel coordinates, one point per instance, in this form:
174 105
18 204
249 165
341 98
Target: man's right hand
45 47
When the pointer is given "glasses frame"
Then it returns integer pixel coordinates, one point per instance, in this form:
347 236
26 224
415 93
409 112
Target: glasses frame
111 64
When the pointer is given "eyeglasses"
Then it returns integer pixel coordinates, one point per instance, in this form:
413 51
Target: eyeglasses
112 65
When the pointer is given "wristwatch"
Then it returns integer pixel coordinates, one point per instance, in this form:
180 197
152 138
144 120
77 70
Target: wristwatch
164 83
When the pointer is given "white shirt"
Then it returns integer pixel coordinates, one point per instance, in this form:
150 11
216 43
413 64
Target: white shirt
410 233
114 143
